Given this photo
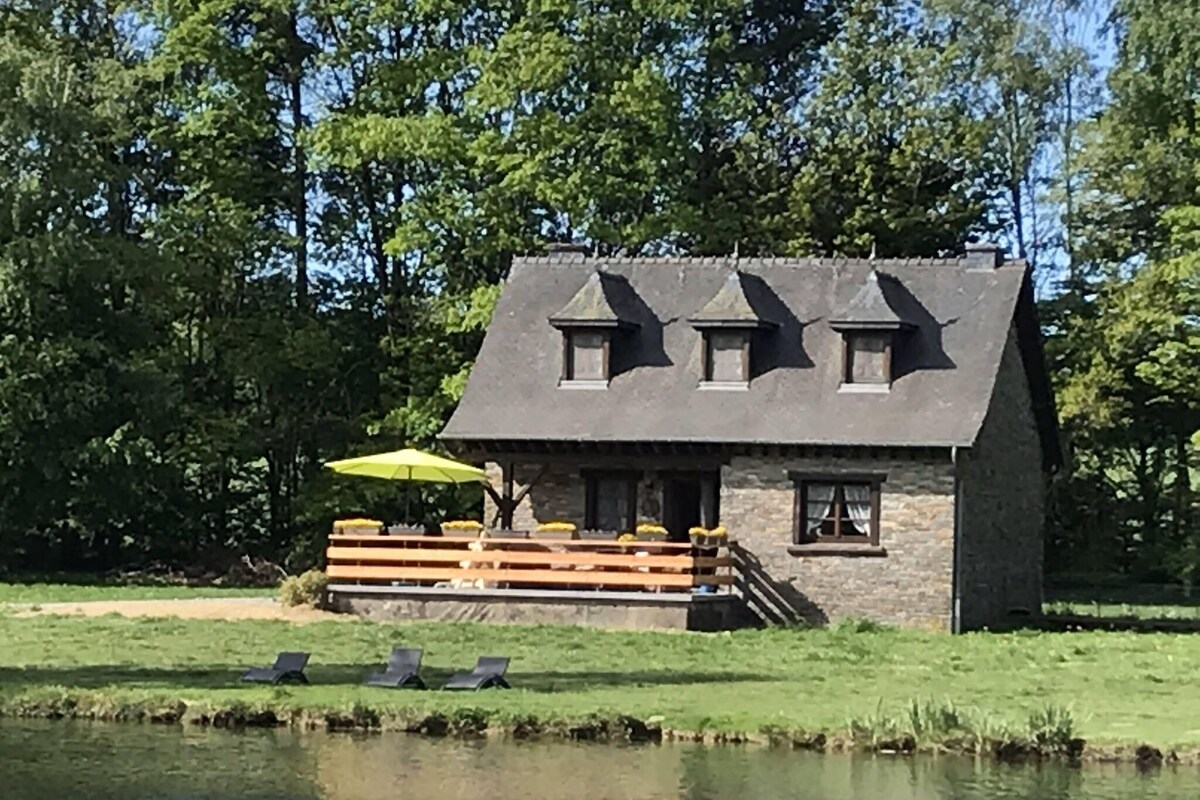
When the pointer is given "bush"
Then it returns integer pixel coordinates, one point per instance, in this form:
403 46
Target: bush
307 589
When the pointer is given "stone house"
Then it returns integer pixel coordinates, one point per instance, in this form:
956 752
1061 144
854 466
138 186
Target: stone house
875 434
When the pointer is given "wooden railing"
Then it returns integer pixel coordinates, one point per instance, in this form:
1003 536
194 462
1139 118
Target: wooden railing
462 562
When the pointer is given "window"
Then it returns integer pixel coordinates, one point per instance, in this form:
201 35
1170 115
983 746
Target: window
844 510
727 357
585 356
868 358
611 501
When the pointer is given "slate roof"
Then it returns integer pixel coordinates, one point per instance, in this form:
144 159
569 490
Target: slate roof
944 370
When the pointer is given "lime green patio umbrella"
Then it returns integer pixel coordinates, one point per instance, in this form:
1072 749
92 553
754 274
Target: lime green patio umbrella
409 465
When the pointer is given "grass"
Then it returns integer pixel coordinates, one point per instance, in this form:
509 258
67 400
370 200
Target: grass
53 592
1110 688
1141 611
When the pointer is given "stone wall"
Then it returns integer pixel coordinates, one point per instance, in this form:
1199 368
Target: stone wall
1003 495
628 611
907 581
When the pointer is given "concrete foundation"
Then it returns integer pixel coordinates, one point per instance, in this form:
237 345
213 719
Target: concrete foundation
619 610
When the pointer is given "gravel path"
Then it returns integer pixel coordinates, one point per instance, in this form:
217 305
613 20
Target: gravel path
228 608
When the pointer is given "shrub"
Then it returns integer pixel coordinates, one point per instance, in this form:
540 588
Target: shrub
1052 728
307 589
859 625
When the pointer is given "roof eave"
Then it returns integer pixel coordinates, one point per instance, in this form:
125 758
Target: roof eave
860 325
733 324
602 324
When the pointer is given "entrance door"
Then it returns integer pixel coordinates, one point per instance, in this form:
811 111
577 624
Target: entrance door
688 501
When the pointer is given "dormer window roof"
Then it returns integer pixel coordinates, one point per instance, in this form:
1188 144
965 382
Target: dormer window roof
728 323
870 310
731 307
869 325
596 305
588 322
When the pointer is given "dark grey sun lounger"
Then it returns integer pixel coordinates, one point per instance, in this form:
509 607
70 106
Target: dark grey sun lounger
488 673
401 670
288 668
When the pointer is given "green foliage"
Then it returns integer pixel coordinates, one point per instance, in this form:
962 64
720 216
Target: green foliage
237 241
306 589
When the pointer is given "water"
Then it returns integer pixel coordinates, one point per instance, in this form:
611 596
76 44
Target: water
70 761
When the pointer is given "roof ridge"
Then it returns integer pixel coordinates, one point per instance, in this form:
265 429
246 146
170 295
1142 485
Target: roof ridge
793 262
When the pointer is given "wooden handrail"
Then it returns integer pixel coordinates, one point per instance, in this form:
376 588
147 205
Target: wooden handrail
359 554
384 541
467 561
526 576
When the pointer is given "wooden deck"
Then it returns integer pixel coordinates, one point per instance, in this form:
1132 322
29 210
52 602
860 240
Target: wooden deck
528 564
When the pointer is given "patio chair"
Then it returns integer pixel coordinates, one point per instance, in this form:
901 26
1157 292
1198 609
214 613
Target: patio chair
401 670
288 668
488 674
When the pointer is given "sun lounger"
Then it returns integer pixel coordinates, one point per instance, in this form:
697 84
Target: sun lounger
488 673
401 670
288 668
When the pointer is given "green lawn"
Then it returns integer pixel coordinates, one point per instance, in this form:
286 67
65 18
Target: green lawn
1121 687
51 592
1143 611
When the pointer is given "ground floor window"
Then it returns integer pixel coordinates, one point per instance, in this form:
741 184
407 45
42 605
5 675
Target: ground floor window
837 509
611 502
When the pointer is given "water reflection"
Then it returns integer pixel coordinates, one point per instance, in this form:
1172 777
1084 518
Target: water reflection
48 761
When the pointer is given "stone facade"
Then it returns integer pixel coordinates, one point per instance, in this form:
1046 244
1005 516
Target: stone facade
906 581
1003 496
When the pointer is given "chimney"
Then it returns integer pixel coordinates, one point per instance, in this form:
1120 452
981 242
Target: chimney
570 250
984 255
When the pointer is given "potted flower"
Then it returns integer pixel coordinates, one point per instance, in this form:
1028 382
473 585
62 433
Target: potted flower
708 537
556 530
651 532
462 527
358 526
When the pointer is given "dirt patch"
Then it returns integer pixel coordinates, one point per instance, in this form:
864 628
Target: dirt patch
226 608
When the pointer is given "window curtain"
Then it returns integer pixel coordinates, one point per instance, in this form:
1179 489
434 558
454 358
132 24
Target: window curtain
819 500
858 506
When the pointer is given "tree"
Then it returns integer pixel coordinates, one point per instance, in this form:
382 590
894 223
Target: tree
894 160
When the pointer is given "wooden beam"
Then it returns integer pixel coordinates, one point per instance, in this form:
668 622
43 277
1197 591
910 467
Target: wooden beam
415 557
506 510
526 576
525 489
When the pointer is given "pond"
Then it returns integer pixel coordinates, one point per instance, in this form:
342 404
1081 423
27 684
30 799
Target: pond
54 760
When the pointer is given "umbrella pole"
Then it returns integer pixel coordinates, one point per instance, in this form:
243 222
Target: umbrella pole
408 499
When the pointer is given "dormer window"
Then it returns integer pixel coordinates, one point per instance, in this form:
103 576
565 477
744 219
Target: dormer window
726 356
727 324
586 355
589 323
870 329
867 357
